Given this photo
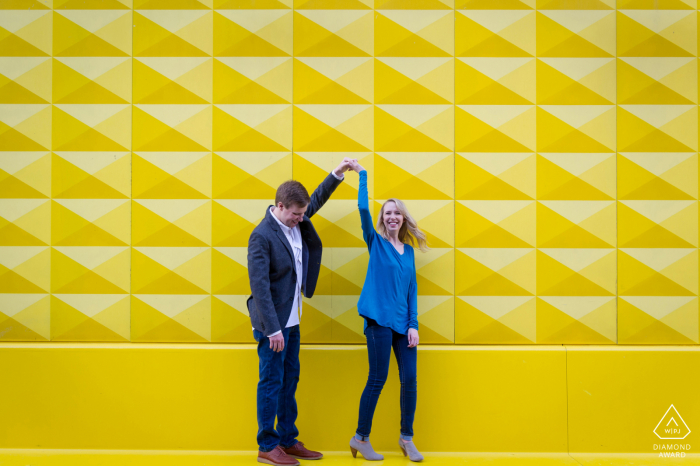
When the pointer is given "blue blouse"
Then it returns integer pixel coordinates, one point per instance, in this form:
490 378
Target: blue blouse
390 292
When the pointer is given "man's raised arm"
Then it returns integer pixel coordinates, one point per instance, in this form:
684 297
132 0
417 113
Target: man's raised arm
323 192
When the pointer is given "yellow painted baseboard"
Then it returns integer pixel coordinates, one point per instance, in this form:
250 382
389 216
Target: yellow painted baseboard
553 399
336 458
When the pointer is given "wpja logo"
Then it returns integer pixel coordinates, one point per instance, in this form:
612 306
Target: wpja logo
671 427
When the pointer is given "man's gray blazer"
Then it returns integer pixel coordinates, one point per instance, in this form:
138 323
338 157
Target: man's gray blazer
271 269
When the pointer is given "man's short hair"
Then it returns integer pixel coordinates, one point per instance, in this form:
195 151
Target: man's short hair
292 193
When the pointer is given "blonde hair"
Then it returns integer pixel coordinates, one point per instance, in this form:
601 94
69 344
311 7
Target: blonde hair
409 232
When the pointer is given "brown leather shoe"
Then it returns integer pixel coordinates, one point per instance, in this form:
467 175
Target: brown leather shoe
276 457
299 451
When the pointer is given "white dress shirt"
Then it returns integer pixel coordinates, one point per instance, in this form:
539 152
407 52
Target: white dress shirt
293 235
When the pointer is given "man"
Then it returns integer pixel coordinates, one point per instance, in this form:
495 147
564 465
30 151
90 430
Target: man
284 260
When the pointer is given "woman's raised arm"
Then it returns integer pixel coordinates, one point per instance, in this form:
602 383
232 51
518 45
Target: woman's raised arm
368 231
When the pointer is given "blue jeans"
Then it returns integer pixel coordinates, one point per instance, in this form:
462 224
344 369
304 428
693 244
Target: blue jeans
279 376
380 341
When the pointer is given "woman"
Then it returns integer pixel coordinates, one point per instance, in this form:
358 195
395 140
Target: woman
388 303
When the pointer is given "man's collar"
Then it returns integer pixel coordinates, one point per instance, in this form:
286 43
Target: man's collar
279 222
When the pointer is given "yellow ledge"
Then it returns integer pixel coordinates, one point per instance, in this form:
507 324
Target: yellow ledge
247 458
528 399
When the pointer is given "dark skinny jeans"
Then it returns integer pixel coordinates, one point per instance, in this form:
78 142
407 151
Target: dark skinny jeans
380 341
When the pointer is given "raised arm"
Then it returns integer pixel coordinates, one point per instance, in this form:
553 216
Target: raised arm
322 194
259 276
368 231
326 188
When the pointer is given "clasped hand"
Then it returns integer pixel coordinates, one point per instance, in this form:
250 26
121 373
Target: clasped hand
348 164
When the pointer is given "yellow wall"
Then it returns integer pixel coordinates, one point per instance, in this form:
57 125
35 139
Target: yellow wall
471 398
203 397
618 396
547 147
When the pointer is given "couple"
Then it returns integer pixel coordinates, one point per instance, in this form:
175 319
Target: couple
284 259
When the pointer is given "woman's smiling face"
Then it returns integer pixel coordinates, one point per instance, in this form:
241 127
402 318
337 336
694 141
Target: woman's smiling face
393 218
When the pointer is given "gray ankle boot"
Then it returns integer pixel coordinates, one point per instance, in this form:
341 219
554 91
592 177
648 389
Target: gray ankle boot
410 450
366 449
